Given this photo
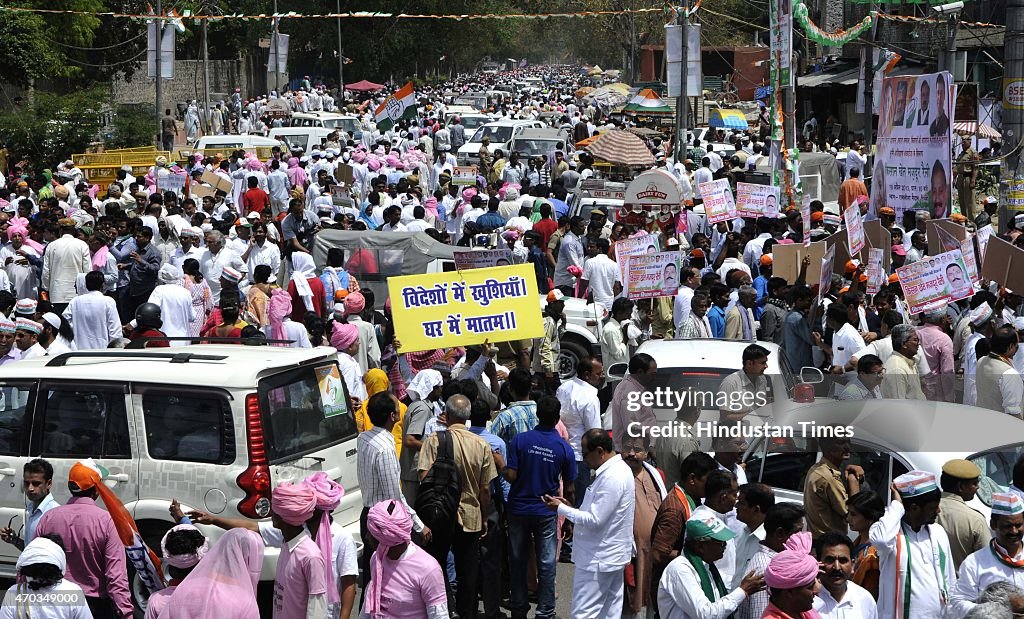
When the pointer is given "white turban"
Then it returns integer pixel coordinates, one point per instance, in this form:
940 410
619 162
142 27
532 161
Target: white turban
42 550
169 274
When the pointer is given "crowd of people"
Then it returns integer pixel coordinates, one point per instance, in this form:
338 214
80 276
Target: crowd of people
482 467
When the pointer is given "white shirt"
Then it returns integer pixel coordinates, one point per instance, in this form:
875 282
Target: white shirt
732 264
681 307
978 571
179 256
969 363
754 249
346 561
727 564
603 531
212 266
352 374
857 603
581 411
701 176
93 316
602 273
176 310
269 254
63 260
681 597
72 605
845 343
924 548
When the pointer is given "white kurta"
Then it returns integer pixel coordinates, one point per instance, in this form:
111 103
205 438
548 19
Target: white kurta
969 362
176 310
857 603
93 316
353 376
680 595
925 548
979 570
63 260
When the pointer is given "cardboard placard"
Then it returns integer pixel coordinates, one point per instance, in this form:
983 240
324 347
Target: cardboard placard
934 242
1004 264
201 191
842 251
344 174
786 260
465 176
879 238
217 182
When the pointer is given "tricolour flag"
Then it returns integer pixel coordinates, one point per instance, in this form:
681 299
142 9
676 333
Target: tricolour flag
399 105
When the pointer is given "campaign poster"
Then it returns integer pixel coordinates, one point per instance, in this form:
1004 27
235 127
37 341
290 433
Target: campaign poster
915 129
465 176
983 235
753 200
718 201
332 391
652 275
932 283
482 258
854 228
462 308
825 276
645 244
875 273
967 249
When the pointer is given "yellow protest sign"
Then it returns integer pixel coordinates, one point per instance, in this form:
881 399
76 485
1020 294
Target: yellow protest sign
441 310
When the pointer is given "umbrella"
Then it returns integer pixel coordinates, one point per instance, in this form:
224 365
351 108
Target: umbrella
363 86
596 70
970 128
588 141
728 119
647 103
644 132
622 148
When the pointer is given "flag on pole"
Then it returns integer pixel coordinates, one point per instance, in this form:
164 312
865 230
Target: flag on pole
399 105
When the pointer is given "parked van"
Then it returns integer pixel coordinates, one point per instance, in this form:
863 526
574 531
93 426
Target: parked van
500 133
227 143
216 427
541 142
328 120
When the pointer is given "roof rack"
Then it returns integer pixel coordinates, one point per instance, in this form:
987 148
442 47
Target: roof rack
174 357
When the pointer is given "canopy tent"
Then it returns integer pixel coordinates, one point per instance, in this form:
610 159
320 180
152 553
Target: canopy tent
647 103
596 70
728 119
364 86
970 128
609 97
621 148
587 142
586 90
644 132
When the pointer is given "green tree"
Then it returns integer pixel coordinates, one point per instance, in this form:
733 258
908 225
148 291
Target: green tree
54 127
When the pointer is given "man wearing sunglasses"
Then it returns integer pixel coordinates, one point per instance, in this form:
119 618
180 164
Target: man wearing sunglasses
37 481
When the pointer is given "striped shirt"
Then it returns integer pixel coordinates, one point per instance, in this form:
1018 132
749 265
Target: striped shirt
519 417
378 470
754 606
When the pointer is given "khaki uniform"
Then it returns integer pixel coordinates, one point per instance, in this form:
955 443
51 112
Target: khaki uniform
825 498
967 529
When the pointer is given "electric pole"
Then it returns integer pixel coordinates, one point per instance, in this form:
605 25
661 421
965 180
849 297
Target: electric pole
159 31
341 62
1011 182
206 79
682 101
275 41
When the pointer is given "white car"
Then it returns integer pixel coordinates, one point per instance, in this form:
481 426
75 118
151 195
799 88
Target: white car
328 120
889 438
500 133
214 426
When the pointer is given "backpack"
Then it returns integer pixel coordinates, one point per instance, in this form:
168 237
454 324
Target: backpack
437 503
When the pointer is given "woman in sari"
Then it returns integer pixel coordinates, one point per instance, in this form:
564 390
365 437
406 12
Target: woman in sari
376 382
224 580
202 298
259 295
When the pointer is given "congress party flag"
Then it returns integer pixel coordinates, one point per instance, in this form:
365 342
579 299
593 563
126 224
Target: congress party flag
400 105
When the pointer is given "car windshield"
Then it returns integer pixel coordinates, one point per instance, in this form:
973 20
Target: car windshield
533 148
349 125
294 142
996 470
472 122
305 410
498 134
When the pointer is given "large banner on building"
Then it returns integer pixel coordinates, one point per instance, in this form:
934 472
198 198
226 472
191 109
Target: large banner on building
441 310
913 164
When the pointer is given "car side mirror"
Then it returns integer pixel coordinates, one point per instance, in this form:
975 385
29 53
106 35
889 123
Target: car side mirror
811 375
618 371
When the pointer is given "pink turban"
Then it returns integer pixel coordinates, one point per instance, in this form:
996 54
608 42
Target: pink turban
18 225
373 164
468 193
293 503
344 335
392 161
359 156
794 567
390 525
575 271
355 303
278 310
430 206
253 164
328 495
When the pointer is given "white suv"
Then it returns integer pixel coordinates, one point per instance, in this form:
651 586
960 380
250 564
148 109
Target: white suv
500 132
214 426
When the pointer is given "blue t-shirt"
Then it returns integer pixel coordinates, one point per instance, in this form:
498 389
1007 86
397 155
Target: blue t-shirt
497 445
540 457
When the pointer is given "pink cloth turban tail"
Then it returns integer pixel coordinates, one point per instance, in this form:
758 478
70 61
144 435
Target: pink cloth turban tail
343 336
293 503
278 310
391 526
794 567
328 495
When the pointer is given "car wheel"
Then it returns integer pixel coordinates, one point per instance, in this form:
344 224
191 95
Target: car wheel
152 532
569 358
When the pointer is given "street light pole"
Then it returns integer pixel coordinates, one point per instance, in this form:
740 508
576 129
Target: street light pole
682 102
1010 181
206 80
